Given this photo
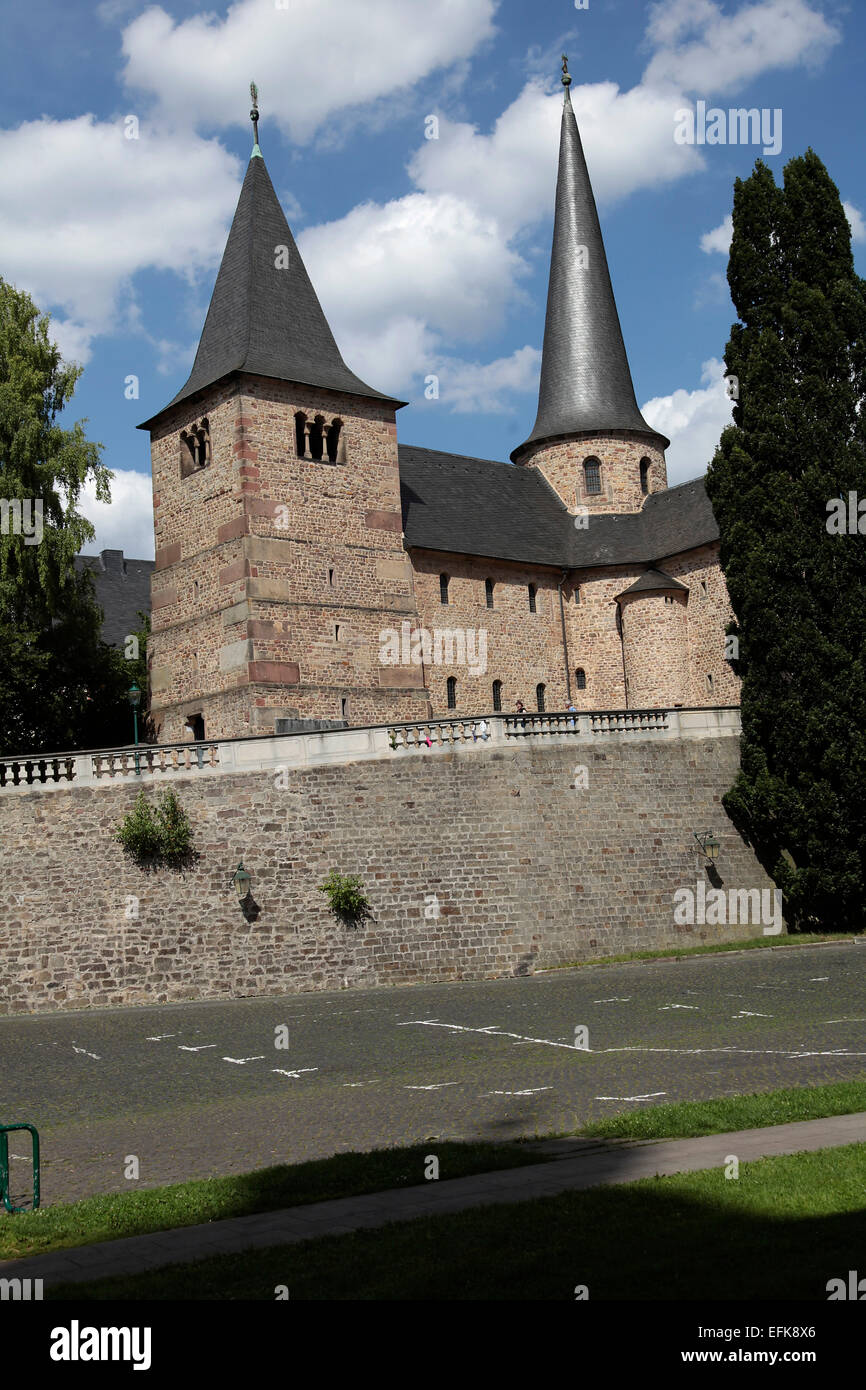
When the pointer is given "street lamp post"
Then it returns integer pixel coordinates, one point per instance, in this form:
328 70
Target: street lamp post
134 697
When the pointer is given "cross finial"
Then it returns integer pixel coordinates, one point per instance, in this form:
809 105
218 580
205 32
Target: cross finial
254 113
566 75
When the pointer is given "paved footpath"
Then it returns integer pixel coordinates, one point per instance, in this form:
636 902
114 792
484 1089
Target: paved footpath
580 1164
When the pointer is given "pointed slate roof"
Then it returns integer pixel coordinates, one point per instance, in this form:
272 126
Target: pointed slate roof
652 580
263 319
585 378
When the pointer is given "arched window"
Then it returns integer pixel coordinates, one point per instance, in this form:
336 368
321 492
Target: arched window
592 475
203 435
709 684
300 434
317 438
452 692
488 592
532 592
497 696
539 696
443 588
335 452
580 677
644 475
194 448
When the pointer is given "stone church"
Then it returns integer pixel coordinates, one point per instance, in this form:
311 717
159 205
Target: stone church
310 567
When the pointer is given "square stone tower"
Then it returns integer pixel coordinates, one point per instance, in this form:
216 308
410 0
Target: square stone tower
276 498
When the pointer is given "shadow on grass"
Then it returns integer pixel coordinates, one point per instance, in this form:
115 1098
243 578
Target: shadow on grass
781 1231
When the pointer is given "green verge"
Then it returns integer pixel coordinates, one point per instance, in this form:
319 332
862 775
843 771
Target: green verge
756 943
267 1189
690 1118
780 1231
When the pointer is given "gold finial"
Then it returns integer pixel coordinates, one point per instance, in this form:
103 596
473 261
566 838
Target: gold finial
254 114
566 75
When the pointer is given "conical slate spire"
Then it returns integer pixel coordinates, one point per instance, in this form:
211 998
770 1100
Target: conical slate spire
585 379
265 317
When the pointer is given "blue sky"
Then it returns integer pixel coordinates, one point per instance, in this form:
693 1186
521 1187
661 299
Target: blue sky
429 255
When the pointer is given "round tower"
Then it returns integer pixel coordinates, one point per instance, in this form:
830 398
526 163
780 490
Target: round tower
653 627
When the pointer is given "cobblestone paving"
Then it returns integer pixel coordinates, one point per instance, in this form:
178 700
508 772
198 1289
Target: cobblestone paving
199 1089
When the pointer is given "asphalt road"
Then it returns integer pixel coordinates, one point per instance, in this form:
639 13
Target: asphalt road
197 1089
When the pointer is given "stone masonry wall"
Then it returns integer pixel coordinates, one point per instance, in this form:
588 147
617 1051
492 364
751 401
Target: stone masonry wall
618 451
479 863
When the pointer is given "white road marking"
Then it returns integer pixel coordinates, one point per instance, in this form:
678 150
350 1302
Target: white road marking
745 1013
84 1053
373 1082
159 1037
746 1051
203 1048
693 1007
240 1061
279 1071
652 1096
533 1091
844 1020
489 1031
617 999
816 979
437 1087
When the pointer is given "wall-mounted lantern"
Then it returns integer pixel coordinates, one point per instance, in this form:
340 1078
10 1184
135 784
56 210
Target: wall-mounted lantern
708 843
241 880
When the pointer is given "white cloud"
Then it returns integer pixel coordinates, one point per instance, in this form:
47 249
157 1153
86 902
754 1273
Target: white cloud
719 239
488 387
511 173
855 221
310 58
703 50
436 254
84 209
127 522
693 421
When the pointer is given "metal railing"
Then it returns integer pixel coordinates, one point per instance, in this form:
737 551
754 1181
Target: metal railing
5 1192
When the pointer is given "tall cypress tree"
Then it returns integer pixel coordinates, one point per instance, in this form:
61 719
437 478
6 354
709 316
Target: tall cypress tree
797 583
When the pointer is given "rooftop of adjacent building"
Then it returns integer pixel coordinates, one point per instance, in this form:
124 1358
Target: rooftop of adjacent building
122 591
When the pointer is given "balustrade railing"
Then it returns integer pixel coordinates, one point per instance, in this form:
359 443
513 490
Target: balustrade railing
27 772
438 733
628 721
303 748
133 762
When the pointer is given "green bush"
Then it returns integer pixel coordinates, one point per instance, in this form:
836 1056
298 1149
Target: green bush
347 898
160 832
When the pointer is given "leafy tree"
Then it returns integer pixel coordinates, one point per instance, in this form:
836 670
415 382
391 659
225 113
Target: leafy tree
55 672
798 591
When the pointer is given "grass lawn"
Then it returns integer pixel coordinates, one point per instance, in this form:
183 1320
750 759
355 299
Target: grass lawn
267 1189
780 1231
685 1119
752 943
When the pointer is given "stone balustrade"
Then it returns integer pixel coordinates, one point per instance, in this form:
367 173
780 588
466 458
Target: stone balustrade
154 763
